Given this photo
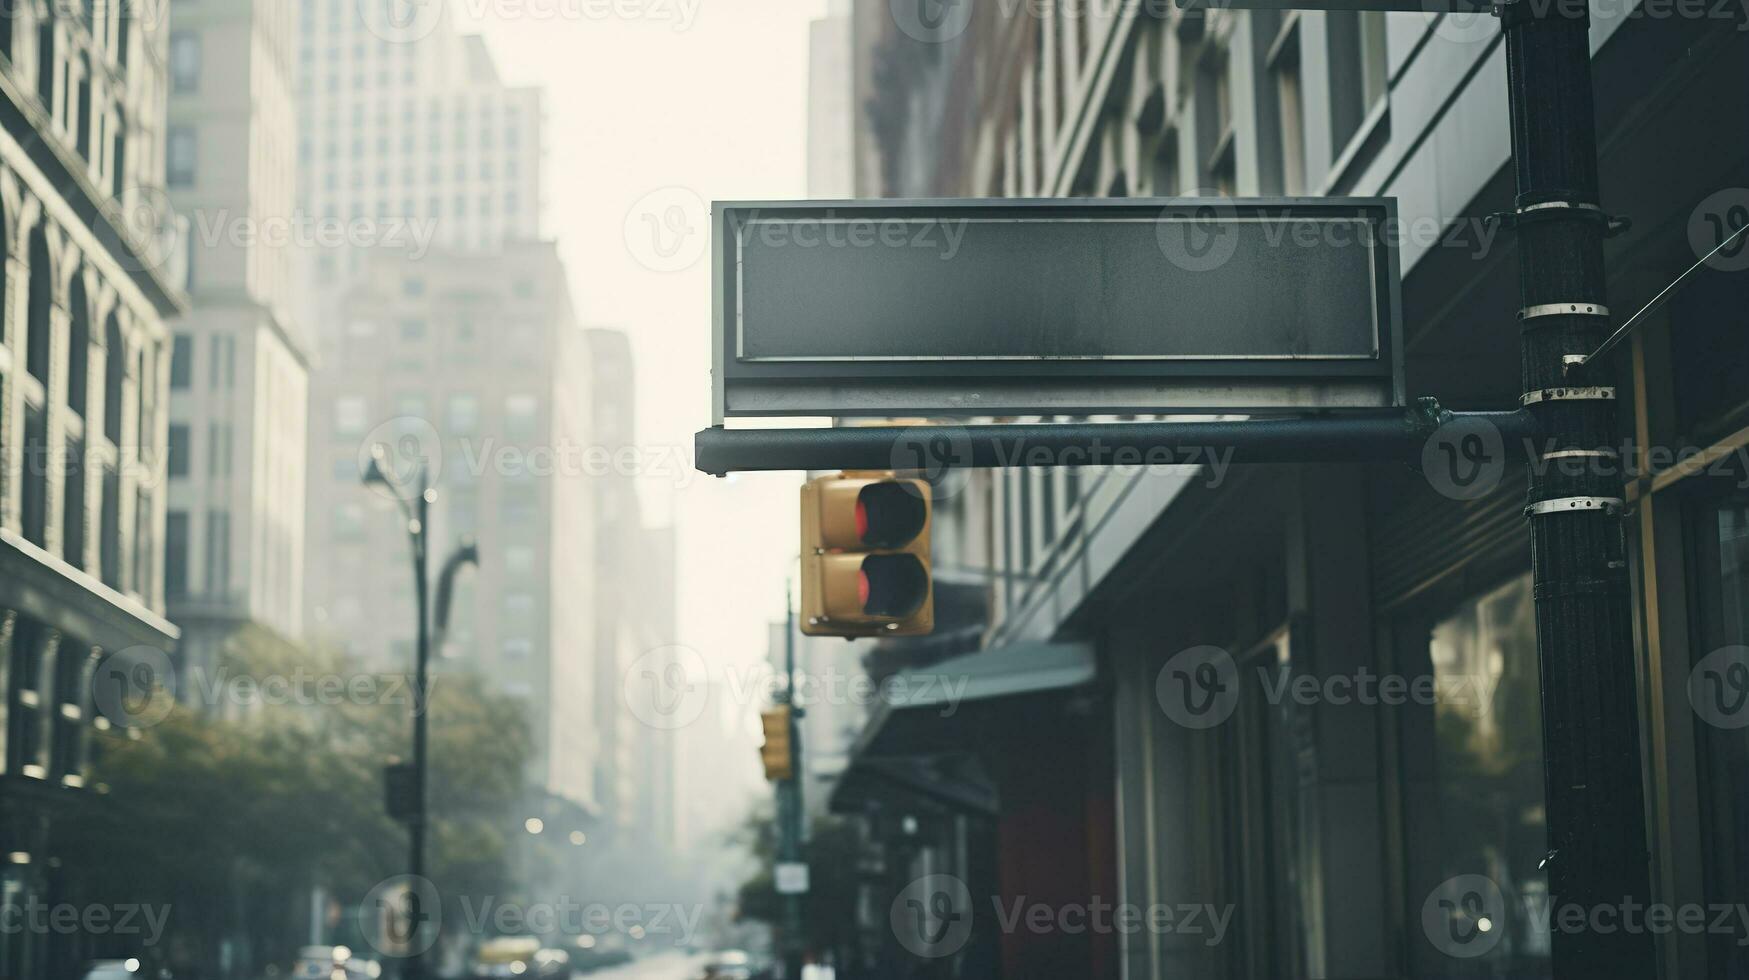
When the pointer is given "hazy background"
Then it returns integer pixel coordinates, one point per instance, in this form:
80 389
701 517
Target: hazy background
644 117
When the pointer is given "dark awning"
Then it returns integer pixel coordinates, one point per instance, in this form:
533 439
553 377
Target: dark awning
922 738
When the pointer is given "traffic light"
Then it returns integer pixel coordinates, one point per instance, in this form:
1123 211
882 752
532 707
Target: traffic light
775 753
865 556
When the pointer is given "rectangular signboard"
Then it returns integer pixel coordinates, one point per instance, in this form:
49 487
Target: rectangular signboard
1030 307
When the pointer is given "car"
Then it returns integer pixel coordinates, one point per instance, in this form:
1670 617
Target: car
728 964
128 969
333 963
521 957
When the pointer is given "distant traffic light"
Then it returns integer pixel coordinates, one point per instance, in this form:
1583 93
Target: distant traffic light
776 752
865 556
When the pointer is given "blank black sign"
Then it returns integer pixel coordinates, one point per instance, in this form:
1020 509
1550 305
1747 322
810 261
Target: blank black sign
905 293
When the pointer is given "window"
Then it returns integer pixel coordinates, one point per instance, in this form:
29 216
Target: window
218 552
350 415
1719 690
184 61
182 153
1215 135
519 416
1285 68
464 413
518 648
179 449
519 559
1357 71
176 555
412 329
1473 770
181 362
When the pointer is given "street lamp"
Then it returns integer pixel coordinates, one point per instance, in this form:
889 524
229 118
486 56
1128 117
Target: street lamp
417 511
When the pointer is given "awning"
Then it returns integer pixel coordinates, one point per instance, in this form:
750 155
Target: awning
923 738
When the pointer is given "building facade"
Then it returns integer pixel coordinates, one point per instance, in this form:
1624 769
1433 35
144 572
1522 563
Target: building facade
466 364
408 128
91 276
239 373
1325 826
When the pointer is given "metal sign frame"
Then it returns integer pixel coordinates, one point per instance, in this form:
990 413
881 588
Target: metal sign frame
1024 384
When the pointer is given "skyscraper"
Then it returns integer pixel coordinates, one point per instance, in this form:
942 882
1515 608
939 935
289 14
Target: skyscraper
409 131
239 393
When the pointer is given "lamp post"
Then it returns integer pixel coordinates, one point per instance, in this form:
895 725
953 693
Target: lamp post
417 511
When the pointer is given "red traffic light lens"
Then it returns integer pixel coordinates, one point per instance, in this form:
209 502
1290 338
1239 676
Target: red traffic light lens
862 588
890 514
893 586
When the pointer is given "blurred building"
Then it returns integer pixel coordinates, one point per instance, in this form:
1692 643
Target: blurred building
1325 828
406 132
831 114
92 273
467 364
635 614
240 369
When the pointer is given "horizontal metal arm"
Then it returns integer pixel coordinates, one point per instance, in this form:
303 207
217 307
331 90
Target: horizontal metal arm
1398 436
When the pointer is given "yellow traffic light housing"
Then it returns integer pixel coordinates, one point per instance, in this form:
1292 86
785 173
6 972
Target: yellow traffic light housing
776 752
865 556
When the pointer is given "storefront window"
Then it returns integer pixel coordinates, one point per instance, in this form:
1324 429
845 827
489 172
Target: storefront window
1719 689
1475 827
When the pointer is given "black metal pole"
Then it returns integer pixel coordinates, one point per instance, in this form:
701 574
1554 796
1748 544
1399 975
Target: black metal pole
790 800
1591 740
1377 437
422 652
